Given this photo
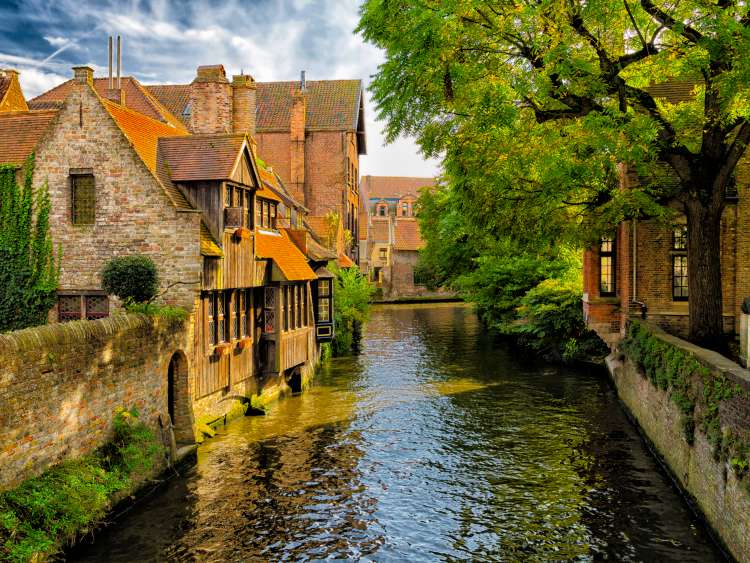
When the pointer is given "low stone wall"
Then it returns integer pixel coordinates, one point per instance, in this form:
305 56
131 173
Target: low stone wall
60 385
703 468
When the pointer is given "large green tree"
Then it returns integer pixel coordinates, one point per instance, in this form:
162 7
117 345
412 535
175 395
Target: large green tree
534 104
29 273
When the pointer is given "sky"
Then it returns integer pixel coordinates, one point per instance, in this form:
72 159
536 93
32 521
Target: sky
165 40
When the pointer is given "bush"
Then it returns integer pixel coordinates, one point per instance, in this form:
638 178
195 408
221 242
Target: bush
550 321
132 278
351 302
167 312
45 512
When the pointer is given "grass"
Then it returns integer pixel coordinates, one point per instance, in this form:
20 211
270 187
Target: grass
44 513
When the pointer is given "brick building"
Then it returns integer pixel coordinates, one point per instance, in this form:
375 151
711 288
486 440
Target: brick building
126 176
641 269
311 132
392 237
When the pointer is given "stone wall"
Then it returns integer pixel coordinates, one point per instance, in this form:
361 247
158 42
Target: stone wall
722 497
60 385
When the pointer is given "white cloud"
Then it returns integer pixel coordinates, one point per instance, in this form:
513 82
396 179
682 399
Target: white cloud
55 41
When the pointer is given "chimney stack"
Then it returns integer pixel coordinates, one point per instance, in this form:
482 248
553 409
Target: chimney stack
114 90
243 104
211 101
297 138
119 61
111 85
84 74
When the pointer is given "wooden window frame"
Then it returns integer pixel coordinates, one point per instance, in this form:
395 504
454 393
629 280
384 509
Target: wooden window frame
611 256
236 314
83 311
285 307
680 240
75 218
684 293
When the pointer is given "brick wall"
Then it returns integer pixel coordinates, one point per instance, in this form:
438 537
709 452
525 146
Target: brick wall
60 385
133 214
720 495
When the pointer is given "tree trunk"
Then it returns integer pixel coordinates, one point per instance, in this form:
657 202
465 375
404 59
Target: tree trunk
704 274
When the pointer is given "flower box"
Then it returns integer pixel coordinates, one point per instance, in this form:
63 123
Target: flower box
222 349
245 343
242 233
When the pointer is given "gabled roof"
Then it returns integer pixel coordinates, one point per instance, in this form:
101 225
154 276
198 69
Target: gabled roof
332 105
11 95
343 261
202 157
286 256
377 187
21 132
137 98
406 233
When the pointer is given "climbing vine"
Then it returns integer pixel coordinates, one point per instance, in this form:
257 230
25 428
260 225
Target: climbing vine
695 389
29 272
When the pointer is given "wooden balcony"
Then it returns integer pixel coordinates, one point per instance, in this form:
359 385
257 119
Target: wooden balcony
296 347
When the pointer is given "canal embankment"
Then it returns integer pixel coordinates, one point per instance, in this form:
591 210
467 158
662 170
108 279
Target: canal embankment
693 405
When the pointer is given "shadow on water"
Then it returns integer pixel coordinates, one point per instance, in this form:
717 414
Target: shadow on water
435 443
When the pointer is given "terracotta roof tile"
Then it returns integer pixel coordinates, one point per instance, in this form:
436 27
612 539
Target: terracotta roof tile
285 254
377 187
343 261
406 233
21 132
331 104
380 231
137 98
201 157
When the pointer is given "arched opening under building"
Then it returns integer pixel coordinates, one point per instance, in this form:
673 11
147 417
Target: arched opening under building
178 401
294 379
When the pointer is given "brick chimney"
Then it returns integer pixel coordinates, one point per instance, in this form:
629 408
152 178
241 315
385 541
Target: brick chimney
11 94
84 74
243 104
211 101
297 142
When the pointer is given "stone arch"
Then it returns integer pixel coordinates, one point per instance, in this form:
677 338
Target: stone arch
178 398
294 379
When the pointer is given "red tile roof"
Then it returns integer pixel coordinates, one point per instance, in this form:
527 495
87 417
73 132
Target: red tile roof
137 98
406 233
331 104
284 253
201 157
380 230
394 186
21 132
343 261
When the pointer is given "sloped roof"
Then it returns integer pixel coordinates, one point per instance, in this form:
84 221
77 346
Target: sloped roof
343 261
363 227
380 230
21 132
209 247
11 95
201 157
267 193
378 187
406 233
318 252
331 104
137 98
674 91
285 254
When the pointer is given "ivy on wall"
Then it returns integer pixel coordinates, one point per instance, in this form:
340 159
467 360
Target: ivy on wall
698 391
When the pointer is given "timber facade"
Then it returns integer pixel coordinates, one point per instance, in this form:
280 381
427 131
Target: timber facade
232 244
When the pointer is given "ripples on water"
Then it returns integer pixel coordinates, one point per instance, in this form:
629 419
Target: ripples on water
436 443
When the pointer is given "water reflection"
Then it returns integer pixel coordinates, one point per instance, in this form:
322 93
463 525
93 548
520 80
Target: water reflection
434 444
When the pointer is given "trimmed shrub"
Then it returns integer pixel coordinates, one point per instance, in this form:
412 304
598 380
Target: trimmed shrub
132 278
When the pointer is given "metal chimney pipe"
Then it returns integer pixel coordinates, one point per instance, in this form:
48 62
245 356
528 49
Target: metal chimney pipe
110 63
302 81
119 62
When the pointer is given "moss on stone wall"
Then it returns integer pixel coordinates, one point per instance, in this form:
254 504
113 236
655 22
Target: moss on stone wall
701 392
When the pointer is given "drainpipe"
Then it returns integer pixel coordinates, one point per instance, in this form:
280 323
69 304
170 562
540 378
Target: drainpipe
635 271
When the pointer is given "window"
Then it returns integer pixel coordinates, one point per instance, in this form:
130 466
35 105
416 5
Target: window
381 210
303 291
405 209
237 315
679 278
77 307
285 307
269 312
297 308
324 300
221 320
384 254
259 213
228 200
679 238
607 266
83 199
211 318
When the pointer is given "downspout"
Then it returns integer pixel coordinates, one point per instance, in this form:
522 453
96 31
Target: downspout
635 270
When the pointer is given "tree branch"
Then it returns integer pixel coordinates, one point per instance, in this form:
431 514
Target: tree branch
686 31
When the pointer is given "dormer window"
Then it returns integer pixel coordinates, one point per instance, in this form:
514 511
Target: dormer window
267 214
382 209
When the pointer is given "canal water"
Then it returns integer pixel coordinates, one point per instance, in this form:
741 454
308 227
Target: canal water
436 443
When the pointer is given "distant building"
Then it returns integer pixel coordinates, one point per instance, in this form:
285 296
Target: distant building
393 240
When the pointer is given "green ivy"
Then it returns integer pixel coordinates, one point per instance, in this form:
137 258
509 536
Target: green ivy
29 271
694 388
45 512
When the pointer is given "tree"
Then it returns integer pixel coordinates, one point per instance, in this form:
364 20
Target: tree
535 104
351 307
133 278
29 272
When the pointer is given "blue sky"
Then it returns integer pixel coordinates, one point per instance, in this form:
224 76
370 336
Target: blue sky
164 41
